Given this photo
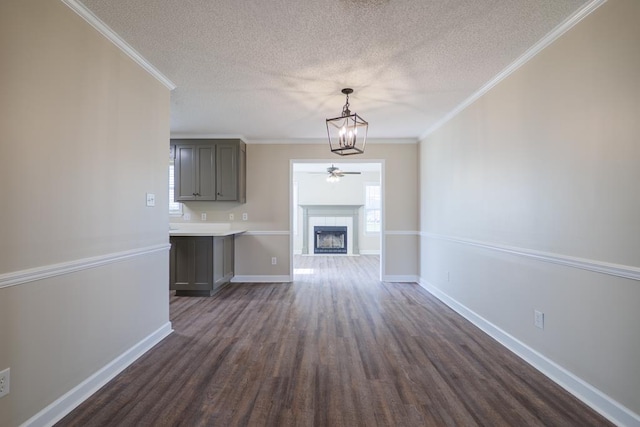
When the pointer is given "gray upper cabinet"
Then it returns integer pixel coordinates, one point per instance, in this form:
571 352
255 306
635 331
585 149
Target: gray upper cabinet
210 170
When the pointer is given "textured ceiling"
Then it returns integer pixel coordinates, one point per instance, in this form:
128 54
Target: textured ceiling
273 69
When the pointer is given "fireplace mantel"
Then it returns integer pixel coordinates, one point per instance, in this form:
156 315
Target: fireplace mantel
352 211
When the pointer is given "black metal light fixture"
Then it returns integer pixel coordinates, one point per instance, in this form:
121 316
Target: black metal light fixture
347 133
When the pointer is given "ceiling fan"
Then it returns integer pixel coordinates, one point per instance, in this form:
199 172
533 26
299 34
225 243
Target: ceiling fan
335 173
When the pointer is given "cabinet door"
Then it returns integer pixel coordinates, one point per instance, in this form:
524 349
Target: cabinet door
202 263
205 174
185 173
191 263
226 172
179 264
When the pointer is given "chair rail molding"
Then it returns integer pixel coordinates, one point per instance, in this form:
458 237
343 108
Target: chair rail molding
612 269
47 271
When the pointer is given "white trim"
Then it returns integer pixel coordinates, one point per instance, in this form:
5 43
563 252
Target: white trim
267 233
565 26
402 233
74 397
402 278
262 279
369 251
324 141
619 270
47 271
289 141
207 136
114 38
600 402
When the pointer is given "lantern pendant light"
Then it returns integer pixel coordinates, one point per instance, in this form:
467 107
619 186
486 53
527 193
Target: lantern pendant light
347 133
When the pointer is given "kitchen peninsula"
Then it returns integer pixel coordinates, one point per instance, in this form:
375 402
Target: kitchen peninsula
202 257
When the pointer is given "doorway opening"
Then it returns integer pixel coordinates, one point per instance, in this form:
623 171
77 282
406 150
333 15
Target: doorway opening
336 209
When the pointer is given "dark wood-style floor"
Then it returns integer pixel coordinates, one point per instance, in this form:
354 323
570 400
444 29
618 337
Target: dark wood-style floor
333 348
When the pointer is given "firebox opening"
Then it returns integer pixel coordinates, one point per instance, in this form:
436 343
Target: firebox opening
330 240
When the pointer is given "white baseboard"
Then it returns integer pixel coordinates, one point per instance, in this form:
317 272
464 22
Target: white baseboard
600 402
369 251
408 278
261 279
70 400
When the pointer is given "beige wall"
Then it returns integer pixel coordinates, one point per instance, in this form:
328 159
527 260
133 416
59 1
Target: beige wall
548 161
83 137
268 185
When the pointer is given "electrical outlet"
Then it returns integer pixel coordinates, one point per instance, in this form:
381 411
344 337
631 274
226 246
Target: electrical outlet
203 216
538 319
274 261
187 217
4 382
245 216
231 217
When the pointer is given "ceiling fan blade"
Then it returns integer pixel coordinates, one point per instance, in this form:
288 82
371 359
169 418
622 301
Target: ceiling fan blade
351 173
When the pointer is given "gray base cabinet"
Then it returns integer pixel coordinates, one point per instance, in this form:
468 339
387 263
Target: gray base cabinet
202 265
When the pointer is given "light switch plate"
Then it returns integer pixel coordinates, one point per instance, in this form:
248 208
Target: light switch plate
151 199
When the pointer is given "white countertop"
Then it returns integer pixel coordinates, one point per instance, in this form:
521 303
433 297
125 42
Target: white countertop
214 229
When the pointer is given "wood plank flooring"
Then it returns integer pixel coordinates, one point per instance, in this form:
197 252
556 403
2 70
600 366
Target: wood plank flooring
333 348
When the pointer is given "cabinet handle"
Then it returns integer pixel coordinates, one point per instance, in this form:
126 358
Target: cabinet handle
219 194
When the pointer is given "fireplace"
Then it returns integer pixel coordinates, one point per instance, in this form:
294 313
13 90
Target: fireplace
329 240
330 215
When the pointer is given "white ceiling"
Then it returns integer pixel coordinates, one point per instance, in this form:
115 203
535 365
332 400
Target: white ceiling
273 69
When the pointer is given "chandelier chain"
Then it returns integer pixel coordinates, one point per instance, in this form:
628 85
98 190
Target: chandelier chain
345 110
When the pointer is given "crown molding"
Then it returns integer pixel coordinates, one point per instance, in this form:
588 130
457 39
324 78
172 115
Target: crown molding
287 141
565 26
114 38
207 136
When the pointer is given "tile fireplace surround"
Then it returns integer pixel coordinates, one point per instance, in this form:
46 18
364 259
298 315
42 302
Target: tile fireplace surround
350 212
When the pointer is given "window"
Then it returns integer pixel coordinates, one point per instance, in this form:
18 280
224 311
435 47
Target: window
175 208
372 208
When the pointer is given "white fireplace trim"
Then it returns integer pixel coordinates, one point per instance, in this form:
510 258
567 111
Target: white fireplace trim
312 213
